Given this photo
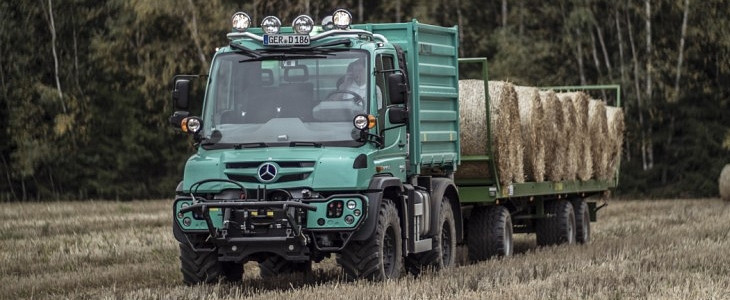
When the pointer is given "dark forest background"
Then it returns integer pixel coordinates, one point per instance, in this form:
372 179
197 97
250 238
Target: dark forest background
85 84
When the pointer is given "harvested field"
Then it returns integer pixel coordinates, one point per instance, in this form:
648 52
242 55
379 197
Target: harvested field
661 249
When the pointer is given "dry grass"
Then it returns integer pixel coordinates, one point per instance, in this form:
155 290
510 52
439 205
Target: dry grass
641 249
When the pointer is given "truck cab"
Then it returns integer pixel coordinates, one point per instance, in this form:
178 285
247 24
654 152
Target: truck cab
308 146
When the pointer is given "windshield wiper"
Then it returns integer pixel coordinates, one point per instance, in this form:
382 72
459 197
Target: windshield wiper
314 144
245 51
250 145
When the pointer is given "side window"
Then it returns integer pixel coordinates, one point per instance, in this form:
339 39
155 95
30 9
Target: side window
382 62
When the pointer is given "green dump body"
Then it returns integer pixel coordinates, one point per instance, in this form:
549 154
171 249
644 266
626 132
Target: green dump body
433 68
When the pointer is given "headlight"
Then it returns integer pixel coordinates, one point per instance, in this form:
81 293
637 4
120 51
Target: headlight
191 125
240 21
271 25
342 19
303 24
360 122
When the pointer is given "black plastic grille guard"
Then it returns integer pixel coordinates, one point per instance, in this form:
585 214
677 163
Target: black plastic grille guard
203 209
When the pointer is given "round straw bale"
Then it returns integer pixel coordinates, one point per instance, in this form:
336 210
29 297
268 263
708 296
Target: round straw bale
533 139
474 131
585 163
724 182
505 92
570 136
552 130
615 121
598 133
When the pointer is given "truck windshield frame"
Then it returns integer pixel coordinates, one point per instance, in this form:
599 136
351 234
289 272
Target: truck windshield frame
282 100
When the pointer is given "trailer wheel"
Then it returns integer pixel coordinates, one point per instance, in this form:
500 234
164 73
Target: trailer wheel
560 227
443 254
277 265
490 233
380 257
582 221
203 266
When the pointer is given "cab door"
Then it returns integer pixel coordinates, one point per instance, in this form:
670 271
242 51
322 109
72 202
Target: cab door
391 158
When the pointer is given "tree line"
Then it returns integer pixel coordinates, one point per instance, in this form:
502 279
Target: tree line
86 83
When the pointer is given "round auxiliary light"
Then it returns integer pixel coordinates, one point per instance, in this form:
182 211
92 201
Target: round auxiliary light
271 25
342 19
303 24
193 124
349 219
360 122
351 204
240 21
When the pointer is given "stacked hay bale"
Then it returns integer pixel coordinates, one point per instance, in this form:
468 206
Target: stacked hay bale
553 132
473 133
532 125
724 183
502 96
569 137
585 162
615 121
598 134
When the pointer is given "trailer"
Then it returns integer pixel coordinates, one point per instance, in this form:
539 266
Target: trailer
343 139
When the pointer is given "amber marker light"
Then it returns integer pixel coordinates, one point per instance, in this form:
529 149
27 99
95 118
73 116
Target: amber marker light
371 121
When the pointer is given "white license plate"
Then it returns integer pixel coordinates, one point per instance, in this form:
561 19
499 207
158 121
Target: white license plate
286 40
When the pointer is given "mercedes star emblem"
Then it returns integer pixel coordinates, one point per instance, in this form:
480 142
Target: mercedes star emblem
267 172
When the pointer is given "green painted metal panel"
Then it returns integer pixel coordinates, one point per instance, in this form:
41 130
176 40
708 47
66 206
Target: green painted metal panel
432 59
487 193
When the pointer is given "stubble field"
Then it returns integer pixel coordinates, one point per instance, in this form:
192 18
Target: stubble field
660 249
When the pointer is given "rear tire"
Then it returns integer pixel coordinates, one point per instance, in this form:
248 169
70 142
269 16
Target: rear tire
490 233
277 265
582 221
559 227
203 266
443 254
379 257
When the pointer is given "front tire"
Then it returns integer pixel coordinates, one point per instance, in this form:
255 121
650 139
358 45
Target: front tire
443 254
379 257
203 266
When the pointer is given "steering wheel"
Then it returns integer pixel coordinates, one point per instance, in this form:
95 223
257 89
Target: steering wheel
356 98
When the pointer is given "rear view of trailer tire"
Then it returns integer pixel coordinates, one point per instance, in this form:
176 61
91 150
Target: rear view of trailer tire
443 254
559 225
379 257
203 266
582 221
490 233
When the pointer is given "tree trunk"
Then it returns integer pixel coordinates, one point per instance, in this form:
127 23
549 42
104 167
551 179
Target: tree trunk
580 57
649 89
359 11
504 13
459 21
681 51
620 46
637 89
193 26
606 59
52 26
7 173
397 10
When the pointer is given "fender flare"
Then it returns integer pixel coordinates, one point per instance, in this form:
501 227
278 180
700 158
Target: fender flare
439 188
375 192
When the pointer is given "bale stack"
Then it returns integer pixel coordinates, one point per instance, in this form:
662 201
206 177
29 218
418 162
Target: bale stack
532 126
598 134
585 162
724 182
553 132
569 137
473 133
615 122
502 96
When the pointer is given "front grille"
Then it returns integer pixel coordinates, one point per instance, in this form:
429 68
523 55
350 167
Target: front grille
283 164
285 178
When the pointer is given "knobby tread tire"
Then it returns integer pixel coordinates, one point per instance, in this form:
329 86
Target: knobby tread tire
364 259
490 233
582 221
558 229
204 267
277 265
415 263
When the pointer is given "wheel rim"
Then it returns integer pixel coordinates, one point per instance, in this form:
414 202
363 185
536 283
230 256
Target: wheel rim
446 243
389 251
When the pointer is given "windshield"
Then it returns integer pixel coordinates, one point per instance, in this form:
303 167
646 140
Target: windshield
283 100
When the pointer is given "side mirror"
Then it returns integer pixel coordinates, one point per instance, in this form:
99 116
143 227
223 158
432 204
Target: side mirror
181 94
397 88
397 115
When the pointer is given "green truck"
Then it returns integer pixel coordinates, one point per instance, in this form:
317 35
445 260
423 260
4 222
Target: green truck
299 156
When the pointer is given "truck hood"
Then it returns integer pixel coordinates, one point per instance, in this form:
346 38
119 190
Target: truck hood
321 169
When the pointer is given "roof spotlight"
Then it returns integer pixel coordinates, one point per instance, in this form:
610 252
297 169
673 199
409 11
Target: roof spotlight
342 19
303 24
240 21
271 25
